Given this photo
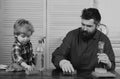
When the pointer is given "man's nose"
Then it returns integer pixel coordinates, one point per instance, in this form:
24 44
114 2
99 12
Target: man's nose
84 28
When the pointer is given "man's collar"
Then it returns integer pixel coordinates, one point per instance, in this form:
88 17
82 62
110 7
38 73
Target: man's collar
96 36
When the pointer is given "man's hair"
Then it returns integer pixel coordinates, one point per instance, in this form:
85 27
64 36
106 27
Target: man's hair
23 26
91 13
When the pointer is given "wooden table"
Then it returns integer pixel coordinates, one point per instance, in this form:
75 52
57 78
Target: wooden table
49 74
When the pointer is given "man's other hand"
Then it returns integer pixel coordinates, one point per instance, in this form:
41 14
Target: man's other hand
102 57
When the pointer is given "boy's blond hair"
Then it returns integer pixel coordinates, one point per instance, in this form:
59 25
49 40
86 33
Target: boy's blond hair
23 26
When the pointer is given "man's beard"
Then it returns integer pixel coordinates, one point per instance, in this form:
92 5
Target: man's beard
87 35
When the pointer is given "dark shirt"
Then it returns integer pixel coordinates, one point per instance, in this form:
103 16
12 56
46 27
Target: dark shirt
82 54
22 53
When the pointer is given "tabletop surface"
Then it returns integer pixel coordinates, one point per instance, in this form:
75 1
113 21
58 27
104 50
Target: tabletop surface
51 74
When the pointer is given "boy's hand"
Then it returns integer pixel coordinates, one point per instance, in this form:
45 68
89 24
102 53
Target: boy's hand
29 68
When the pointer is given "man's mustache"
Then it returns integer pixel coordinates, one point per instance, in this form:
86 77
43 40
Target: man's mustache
85 33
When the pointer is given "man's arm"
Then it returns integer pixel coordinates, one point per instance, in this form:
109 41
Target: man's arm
61 52
109 51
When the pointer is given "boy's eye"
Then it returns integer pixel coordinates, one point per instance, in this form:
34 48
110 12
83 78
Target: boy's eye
23 36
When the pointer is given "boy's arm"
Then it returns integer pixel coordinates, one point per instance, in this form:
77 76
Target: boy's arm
16 57
33 56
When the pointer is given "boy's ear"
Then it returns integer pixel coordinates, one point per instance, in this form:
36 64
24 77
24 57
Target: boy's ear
15 35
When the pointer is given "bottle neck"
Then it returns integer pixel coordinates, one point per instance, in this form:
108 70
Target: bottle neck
100 50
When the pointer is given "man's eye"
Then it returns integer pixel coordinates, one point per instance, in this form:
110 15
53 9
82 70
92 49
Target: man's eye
83 24
89 25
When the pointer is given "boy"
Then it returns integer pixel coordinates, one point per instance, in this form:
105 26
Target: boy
22 52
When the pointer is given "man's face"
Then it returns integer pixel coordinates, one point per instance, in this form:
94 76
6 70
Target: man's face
88 28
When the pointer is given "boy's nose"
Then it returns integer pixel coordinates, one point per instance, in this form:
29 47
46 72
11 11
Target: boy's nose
25 38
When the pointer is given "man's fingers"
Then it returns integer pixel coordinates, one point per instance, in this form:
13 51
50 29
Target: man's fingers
67 68
103 58
64 68
71 68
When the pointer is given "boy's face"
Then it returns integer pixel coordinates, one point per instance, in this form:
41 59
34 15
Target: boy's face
24 34
22 38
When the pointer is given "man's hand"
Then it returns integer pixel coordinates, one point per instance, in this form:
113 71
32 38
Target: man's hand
66 66
102 57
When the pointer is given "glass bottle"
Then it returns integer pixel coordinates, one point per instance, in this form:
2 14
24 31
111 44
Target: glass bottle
40 61
100 68
100 51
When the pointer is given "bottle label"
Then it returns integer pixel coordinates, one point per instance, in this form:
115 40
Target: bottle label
40 61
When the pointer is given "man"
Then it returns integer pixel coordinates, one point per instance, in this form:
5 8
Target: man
80 48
